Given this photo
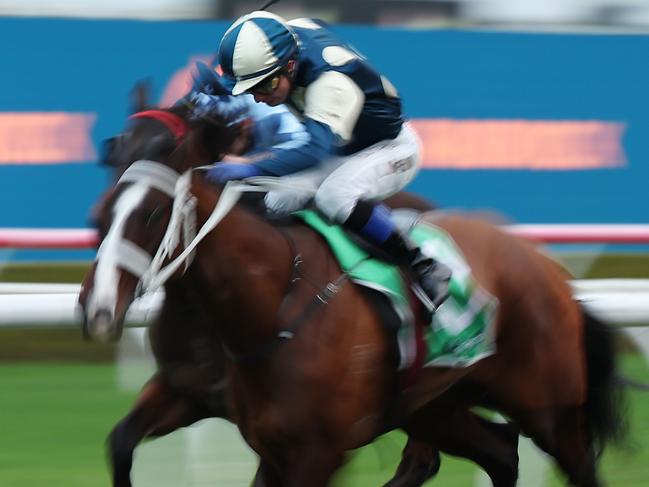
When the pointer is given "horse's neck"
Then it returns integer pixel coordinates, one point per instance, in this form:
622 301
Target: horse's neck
241 272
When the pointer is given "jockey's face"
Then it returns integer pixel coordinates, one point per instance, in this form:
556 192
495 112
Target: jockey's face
275 90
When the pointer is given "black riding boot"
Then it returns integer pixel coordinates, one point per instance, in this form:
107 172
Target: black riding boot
432 276
373 222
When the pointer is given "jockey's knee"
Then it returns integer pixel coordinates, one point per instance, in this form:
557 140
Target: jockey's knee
282 203
335 205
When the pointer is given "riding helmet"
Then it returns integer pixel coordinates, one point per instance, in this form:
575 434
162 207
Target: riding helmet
254 47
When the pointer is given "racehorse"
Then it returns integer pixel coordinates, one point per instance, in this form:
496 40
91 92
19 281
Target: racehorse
190 384
302 402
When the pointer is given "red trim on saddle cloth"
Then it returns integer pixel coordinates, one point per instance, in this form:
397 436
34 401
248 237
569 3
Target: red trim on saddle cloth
174 123
411 374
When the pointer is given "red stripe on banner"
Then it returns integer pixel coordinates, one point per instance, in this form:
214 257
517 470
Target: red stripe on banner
46 137
521 144
181 81
44 238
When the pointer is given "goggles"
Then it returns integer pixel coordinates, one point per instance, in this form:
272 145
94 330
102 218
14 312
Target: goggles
268 85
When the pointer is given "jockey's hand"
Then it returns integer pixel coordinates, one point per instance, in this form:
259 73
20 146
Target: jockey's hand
226 171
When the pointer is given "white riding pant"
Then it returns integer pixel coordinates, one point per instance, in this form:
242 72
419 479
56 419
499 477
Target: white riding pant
337 184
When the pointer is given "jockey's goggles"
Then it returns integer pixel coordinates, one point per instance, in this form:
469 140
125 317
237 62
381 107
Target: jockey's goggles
268 85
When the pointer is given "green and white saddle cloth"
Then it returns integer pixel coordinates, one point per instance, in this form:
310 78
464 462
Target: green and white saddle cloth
461 332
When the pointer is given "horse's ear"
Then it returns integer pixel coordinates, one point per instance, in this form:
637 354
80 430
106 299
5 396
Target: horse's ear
139 96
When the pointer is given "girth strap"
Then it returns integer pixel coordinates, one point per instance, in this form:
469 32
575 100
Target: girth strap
322 298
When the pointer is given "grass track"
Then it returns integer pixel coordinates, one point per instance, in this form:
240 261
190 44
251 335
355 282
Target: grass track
54 419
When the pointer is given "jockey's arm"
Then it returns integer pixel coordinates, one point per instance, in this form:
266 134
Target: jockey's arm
333 104
316 147
275 128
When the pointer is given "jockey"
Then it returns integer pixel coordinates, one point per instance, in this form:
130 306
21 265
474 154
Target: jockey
263 128
359 151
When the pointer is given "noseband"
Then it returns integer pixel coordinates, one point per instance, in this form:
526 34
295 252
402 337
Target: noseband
154 175
181 228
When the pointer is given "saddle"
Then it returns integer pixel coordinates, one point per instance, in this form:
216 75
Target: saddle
459 333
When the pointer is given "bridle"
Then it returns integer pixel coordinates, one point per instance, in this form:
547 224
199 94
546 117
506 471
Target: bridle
130 256
181 228
154 271
174 123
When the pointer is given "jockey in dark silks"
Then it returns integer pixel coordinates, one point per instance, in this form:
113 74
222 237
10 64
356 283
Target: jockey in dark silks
359 149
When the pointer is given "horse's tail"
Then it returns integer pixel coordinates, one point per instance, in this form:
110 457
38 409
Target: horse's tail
604 406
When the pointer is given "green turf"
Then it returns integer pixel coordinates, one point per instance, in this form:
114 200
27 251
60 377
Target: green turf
70 272
54 419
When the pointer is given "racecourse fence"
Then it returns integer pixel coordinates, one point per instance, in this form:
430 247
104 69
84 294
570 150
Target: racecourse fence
623 302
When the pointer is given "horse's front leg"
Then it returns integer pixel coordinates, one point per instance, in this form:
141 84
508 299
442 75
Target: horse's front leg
312 464
157 412
419 462
266 476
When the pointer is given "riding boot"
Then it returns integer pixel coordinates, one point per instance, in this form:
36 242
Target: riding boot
432 276
373 222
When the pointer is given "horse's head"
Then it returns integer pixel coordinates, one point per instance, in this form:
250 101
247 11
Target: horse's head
132 217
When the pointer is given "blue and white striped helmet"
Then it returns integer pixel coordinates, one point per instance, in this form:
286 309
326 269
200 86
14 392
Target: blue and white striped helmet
254 47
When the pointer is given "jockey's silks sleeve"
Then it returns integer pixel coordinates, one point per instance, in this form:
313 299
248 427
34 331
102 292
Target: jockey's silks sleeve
275 128
332 105
317 146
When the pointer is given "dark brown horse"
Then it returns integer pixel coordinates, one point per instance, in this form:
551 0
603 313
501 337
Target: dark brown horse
190 384
301 404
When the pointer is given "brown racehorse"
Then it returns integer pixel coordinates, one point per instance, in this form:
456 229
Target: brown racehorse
303 402
190 384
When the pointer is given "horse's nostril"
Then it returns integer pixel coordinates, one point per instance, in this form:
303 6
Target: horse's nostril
101 326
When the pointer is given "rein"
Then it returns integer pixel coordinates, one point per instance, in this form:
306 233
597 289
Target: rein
153 274
150 270
184 205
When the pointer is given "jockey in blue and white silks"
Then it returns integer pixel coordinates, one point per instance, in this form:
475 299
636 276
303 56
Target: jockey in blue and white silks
358 152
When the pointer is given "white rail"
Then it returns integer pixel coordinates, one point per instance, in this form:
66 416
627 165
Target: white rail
623 302
55 305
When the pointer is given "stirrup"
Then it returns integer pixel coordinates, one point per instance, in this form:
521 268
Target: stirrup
436 291
429 305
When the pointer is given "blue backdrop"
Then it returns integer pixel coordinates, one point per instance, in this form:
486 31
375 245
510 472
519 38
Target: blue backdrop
90 67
